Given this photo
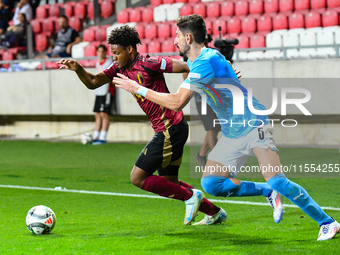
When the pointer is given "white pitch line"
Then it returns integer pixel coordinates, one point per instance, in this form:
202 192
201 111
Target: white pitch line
148 196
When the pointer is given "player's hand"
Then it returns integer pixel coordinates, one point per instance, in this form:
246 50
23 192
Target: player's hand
69 64
238 73
125 83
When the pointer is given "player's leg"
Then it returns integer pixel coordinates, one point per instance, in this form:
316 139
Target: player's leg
105 125
97 126
269 159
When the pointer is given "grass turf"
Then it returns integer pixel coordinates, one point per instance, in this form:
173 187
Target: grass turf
97 224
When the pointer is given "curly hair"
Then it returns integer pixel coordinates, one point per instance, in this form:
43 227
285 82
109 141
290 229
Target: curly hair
193 24
124 36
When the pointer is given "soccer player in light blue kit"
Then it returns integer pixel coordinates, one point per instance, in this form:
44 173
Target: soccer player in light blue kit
208 68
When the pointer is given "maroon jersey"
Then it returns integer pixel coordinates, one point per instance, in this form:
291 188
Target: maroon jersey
148 72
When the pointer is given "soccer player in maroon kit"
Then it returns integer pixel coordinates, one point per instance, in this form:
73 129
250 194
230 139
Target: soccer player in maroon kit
164 152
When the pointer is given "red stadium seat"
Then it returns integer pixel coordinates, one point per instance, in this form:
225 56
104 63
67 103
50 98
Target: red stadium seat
168 1
234 26
123 16
296 20
318 4
56 24
286 5
302 5
90 10
41 42
135 15
154 47
241 8
80 10
90 49
194 1
151 29
200 9
164 30
76 23
256 6
69 8
271 6
209 24
330 18
108 47
280 21
213 9
186 10
147 15
313 19
101 34
7 56
333 3
243 42
42 11
181 1
264 23
142 48
227 8
55 10
48 25
248 25
156 2
36 25
219 23
168 45
173 29
140 30
107 8
89 35
257 41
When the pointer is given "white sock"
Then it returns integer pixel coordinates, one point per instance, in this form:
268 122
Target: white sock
103 135
95 135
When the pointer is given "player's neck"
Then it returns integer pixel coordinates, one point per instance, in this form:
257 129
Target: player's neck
195 51
132 60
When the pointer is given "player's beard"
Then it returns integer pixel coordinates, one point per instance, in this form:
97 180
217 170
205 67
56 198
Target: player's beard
184 53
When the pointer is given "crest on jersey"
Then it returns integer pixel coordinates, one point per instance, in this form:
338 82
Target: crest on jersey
140 78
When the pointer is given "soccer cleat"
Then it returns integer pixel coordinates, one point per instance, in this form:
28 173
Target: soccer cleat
97 142
219 217
275 201
328 231
192 205
202 160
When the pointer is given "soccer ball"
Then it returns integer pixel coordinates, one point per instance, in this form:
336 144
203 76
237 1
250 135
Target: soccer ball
86 138
40 220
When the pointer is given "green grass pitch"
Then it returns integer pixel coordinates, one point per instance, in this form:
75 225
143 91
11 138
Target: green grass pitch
99 224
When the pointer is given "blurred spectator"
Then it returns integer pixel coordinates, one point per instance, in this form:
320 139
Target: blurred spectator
6 13
66 38
34 4
15 34
22 7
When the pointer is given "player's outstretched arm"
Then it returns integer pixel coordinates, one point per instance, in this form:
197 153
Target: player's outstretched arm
173 102
90 80
179 66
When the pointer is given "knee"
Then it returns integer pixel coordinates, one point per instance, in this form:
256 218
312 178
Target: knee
278 182
211 185
136 181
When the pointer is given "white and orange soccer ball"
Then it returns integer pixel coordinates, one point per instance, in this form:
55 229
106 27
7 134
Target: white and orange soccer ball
40 220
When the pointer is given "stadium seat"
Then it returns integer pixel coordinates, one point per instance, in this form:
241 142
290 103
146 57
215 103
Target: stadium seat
181 1
280 21
123 16
333 3
7 56
142 49
101 34
318 4
48 25
90 49
241 8
243 42
77 50
164 30
55 10
301 5
257 41
173 29
227 8
41 42
219 23
194 1
168 45
136 15
337 36
80 10
234 26
307 38
107 8
186 10
147 14
140 30
200 9
271 6
264 23
296 20
248 25
151 30
168 1
273 40
329 18
76 23
42 11
291 39
154 47
160 13
313 19
286 5
173 11
325 37
69 8
90 10
256 6
36 25
213 9
156 2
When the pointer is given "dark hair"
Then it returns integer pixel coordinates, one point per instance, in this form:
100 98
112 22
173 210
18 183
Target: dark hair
63 16
24 15
124 36
101 46
193 24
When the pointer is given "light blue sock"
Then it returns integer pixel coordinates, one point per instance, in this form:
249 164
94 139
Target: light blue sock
224 187
299 196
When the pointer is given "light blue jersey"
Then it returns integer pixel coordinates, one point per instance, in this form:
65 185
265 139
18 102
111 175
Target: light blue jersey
208 70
